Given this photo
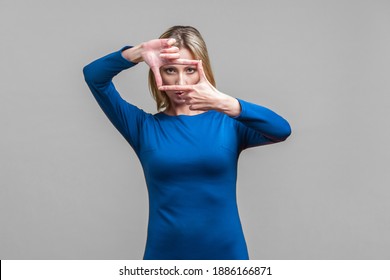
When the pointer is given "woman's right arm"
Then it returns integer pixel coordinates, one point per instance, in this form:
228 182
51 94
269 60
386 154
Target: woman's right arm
127 118
98 75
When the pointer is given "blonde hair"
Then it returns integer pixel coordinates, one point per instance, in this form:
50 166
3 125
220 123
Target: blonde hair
187 37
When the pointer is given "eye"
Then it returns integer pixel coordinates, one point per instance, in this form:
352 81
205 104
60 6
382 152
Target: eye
191 70
170 70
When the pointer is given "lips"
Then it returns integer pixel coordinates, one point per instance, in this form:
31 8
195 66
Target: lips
179 93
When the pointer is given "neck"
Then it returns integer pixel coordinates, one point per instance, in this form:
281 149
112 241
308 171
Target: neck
181 110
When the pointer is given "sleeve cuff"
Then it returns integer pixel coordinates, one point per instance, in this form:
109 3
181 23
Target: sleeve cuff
126 62
243 107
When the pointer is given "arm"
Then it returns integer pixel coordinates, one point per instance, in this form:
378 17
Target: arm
257 125
127 118
98 75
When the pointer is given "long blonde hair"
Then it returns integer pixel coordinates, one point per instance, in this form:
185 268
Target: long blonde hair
189 38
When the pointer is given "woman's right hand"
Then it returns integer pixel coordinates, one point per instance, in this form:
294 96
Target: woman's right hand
156 53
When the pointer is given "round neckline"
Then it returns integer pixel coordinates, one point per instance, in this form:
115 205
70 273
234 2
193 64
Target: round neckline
184 116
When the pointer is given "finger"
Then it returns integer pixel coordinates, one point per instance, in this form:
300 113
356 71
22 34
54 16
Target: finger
183 61
197 108
176 87
201 71
166 43
170 56
170 50
157 76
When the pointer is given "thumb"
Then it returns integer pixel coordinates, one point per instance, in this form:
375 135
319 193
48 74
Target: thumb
201 70
166 43
157 75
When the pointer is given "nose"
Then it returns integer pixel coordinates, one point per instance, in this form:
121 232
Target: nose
181 79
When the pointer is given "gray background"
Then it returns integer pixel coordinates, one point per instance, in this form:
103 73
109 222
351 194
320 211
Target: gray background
72 188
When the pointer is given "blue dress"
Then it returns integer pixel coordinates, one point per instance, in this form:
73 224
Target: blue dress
190 167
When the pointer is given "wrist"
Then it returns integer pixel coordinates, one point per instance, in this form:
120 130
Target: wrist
133 54
229 106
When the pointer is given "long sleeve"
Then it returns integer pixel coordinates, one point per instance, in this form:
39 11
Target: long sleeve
127 118
258 125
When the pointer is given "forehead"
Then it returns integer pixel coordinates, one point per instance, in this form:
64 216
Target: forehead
186 54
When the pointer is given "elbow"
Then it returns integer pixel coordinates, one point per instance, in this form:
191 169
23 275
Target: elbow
87 72
286 131
283 132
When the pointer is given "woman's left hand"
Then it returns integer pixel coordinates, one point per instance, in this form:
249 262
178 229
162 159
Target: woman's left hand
203 96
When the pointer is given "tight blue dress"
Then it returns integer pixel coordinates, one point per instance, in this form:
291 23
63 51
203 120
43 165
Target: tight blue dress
190 167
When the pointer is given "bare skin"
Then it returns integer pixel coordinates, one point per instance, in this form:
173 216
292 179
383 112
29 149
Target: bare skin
182 78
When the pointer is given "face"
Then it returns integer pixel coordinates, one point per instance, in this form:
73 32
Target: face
177 74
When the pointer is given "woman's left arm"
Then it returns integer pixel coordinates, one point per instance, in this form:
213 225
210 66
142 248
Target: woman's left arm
259 125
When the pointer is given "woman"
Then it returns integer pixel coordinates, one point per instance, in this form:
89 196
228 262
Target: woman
189 149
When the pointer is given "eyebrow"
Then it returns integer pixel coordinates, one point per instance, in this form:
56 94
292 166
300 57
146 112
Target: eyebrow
175 66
